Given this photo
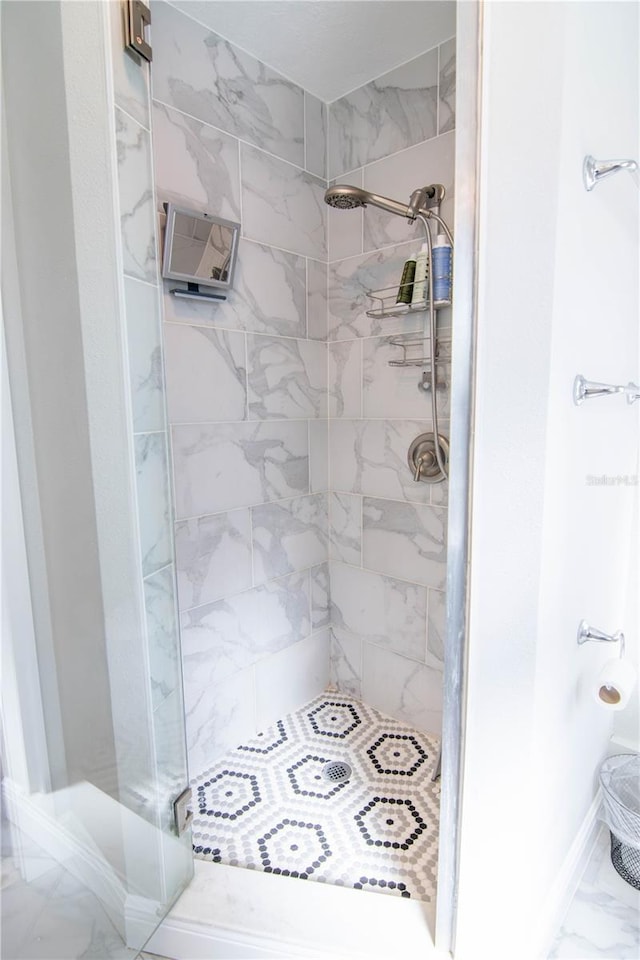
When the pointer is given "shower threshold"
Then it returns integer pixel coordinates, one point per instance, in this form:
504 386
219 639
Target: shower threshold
276 805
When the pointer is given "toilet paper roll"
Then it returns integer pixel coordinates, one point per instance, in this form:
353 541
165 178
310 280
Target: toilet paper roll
615 684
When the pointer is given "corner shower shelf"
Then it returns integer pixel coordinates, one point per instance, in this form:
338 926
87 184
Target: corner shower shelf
384 304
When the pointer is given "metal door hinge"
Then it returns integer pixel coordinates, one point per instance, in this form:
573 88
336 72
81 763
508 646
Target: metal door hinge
137 20
181 812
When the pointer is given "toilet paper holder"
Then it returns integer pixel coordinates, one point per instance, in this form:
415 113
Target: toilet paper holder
585 633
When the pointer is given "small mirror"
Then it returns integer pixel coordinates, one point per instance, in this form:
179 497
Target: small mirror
199 248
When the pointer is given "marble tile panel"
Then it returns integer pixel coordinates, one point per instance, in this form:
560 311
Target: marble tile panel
213 557
195 165
394 391
389 114
436 628
221 638
398 176
447 87
162 634
130 79
345 528
137 224
23 902
320 596
346 664
370 457
351 280
219 467
317 300
405 540
268 295
345 378
290 678
402 688
379 609
57 918
286 378
219 715
289 535
206 374
145 355
315 135
209 78
345 226
154 511
603 920
282 205
319 455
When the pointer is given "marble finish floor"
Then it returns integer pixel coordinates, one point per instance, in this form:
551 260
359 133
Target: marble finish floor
267 806
603 919
46 913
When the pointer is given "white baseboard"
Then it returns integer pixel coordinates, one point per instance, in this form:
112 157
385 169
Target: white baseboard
566 883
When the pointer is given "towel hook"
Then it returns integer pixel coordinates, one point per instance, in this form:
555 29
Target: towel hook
593 171
585 632
588 389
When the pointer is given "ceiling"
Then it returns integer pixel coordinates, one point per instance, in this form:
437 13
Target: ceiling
329 47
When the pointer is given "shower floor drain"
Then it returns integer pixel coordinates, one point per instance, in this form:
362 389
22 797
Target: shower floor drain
336 771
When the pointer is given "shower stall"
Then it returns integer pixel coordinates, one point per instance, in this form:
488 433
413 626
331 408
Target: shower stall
240 566
237 574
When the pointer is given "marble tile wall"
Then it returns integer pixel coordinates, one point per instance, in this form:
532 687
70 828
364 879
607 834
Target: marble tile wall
167 773
289 430
387 534
246 386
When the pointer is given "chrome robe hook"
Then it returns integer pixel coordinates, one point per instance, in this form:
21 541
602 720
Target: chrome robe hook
593 171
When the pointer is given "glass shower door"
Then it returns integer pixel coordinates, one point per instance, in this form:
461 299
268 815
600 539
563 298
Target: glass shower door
92 711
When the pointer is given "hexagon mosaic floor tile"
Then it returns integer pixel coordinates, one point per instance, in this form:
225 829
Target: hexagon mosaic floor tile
271 805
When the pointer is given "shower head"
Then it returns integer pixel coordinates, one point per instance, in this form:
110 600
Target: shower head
346 197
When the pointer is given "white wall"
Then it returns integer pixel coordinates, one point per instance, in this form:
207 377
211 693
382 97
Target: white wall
558 295
588 528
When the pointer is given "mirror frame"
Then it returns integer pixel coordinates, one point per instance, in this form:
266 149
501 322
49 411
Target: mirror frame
172 210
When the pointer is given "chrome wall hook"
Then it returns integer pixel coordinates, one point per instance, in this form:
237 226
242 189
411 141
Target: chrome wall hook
586 633
632 391
593 171
588 389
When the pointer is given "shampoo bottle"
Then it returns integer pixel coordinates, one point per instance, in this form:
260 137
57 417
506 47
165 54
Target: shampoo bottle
420 279
406 283
441 269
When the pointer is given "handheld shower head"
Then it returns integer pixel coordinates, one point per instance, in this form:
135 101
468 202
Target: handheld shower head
346 197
